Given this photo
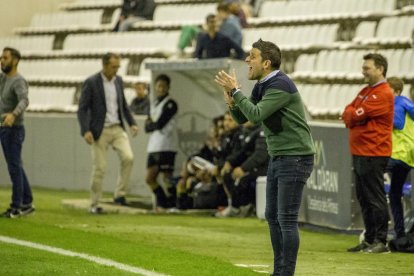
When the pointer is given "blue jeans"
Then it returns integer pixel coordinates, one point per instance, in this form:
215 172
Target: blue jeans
286 177
11 141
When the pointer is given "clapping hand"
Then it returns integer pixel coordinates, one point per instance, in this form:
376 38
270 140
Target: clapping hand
228 82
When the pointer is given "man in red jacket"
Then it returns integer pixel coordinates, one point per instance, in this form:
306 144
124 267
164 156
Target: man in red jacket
369 118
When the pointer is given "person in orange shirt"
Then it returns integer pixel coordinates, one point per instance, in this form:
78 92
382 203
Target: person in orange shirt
369 118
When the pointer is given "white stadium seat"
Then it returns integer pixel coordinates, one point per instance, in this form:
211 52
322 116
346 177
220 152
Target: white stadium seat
48 99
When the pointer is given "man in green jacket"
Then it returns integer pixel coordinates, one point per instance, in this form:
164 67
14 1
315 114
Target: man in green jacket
276 103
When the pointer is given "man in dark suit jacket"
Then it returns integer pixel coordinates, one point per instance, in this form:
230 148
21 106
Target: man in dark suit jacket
101 114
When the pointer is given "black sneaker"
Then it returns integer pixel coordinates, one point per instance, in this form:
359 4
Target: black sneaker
360 247
27 210
96 210
12 213
377 247
121 201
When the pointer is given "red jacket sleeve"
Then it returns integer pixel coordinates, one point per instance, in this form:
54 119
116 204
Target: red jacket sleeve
362 109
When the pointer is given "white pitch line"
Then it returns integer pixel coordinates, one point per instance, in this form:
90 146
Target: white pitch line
98 260
251 265
261 271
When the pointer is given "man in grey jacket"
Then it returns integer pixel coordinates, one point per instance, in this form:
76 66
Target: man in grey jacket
13 103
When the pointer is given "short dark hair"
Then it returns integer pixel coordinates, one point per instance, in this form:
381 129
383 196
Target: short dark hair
164 78
396 83
108 56
269 51
14 52
210 16
379 60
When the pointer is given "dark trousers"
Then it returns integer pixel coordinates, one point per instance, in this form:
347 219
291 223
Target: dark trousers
11 141
369 180
242 191
399 172
286 178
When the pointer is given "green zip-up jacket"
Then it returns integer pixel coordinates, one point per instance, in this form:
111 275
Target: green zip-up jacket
276 103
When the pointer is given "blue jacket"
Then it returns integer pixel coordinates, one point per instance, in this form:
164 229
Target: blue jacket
92 106
402 105
218 47
231 28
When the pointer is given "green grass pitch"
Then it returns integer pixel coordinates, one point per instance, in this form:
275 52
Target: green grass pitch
170 244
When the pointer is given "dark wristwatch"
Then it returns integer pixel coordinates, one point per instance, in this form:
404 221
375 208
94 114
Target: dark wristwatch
233 91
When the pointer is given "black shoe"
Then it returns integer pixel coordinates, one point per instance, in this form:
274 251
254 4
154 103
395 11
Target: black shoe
360 247
161 198
96 210
12 213
377 247
27 210
121 201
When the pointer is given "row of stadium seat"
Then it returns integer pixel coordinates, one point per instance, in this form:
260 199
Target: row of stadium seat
91 4
389 30
176 15
60 99
63 70
317 10
29 44
127 43
328 101
346 64
90 20
75 71
52 99
331 8
294 37
99 4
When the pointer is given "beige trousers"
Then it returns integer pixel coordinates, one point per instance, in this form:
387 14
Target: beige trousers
116 137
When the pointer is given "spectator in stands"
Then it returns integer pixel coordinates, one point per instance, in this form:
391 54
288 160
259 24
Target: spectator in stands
402 159
140 104
276 104
101 115
162 144
13 102
230 24
369 118
134 11
239 10
242 169
212 44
